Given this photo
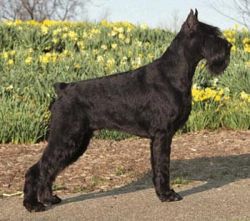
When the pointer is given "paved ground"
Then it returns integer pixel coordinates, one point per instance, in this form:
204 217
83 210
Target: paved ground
217 165
202 201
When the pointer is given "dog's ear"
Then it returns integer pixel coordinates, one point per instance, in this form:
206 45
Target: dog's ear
196 13
191 23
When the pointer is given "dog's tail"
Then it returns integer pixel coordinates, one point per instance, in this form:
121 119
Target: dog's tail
59 88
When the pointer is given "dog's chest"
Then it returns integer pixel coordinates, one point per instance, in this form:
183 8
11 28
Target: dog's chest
183 110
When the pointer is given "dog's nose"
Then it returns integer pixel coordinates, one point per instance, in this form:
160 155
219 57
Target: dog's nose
229 45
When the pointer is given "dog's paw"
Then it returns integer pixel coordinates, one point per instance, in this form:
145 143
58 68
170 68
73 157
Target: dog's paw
56 199
51 200
34 206
170 196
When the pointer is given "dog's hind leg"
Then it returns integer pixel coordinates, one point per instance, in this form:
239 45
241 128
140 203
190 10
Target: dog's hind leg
40 177
30 201
160 160
68 140
55 158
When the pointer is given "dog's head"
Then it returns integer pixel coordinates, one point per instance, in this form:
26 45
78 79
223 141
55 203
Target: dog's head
208 42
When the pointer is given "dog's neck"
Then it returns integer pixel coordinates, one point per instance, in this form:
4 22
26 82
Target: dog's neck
177 55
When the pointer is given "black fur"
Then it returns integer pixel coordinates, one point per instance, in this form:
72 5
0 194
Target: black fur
153 101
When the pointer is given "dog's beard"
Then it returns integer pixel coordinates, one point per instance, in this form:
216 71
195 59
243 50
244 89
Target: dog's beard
218 63
217 66
218 57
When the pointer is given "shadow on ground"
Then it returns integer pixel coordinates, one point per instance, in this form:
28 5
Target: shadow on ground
214 172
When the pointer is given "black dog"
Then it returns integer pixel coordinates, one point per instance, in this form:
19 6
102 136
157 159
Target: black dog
153 101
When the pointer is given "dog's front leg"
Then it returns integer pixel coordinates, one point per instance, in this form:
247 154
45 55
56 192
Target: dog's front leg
160 160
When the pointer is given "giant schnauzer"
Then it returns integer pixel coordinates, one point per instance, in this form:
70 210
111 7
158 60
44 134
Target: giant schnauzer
153 101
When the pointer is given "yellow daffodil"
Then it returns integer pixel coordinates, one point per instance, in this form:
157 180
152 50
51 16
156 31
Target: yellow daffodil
10 62
28 60
100 59
44 30
104 47
114 45
244 96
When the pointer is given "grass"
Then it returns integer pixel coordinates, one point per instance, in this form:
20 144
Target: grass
178 181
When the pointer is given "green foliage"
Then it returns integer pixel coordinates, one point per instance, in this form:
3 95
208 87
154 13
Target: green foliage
36 55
